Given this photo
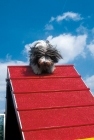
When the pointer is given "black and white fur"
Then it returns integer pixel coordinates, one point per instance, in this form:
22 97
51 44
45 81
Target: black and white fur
43 56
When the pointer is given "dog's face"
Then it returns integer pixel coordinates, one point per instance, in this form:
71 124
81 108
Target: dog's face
45 61
44 54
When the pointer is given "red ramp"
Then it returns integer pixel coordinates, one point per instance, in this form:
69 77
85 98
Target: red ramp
56 106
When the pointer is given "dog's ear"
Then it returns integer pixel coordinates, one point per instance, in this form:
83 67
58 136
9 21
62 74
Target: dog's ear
32 55
56 57
36 51
54 54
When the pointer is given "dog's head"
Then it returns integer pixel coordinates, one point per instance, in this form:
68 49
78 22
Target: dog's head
44 54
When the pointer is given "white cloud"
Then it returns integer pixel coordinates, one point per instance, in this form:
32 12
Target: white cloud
52 19
2 97
90 83
92 31
70 46
91 48
67 16
82 29
49 27
8 57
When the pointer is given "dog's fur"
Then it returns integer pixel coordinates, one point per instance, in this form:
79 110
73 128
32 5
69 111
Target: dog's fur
43 56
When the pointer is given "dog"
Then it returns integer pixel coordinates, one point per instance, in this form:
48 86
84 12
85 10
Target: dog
43 57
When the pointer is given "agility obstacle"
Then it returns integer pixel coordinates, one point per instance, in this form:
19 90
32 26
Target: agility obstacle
56 106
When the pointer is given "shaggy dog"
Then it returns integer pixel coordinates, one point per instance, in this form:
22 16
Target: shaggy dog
43 57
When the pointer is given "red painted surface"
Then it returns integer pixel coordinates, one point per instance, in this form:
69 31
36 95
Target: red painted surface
66 117
46 85
71 133
26 72
53 100
56 106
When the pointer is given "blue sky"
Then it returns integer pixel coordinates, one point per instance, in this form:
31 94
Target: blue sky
67 24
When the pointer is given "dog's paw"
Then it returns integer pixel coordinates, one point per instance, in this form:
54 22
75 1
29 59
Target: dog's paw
36 70
51 69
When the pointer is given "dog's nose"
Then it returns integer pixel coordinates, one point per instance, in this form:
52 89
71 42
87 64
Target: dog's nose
44 63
